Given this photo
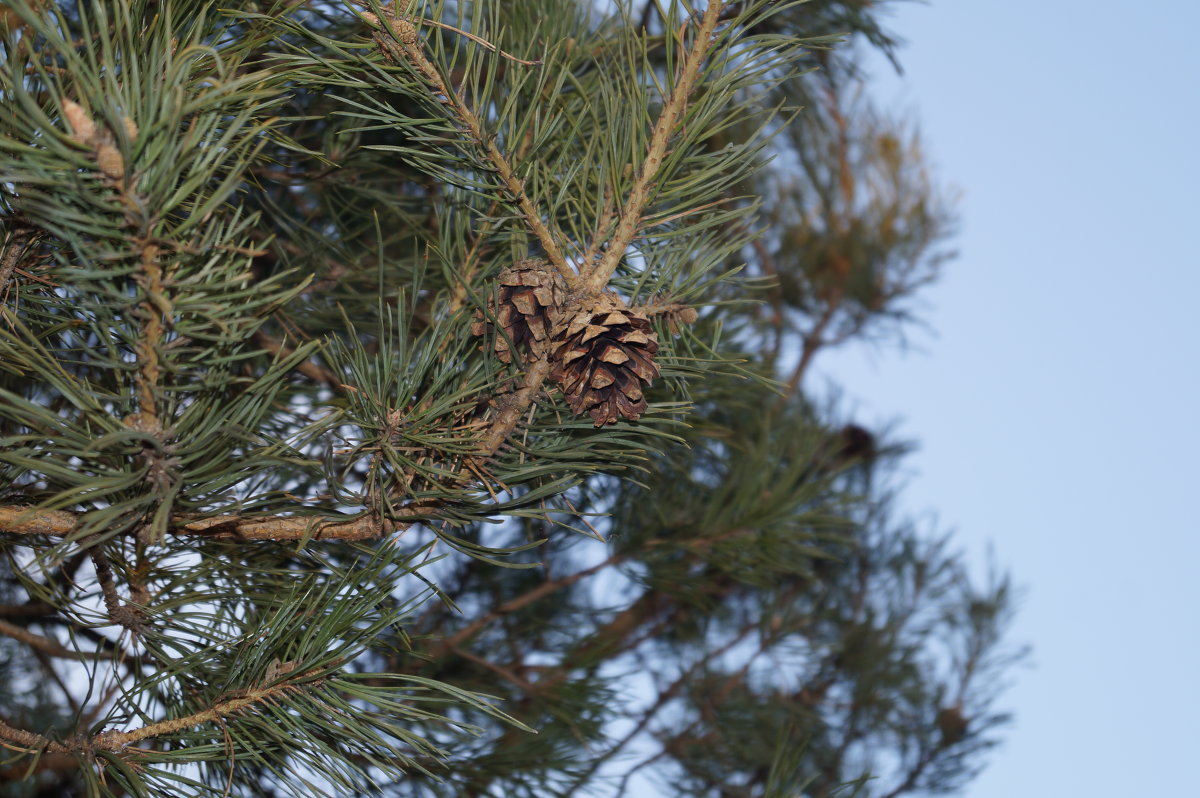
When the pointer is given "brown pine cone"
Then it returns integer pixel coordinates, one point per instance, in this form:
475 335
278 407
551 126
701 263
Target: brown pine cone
529 293
603 356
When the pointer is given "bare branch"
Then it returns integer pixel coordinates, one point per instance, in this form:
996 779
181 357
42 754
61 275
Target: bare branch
28 610
46 645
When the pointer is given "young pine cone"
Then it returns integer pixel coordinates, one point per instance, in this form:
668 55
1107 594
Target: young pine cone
603 355
529 293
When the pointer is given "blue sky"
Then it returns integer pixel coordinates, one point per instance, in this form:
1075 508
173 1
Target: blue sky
1055 401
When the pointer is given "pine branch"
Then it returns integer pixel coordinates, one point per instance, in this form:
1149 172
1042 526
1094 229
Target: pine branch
113 740
154 308
505 673
480 236
607 640
47 666
514 407
411 50
438 162
924 760
31 743
29 610
665 696
597 276
117 740
119 612
309 368
60 523
812 342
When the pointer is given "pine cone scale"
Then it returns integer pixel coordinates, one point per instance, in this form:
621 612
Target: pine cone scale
602 378
614 354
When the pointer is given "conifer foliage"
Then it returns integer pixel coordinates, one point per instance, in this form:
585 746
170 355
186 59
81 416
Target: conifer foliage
407 399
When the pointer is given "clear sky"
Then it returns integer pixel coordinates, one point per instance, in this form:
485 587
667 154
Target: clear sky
1056 403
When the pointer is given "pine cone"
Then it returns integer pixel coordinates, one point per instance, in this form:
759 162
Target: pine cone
603 354
529 293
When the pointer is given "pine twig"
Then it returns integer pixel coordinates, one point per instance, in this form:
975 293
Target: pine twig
664 697
914 774
154 307
604 223
412 51
514 406
114 740
479 246
309 368
119 612
15 246
505 673
481 41
598 275
812 342
47 666
29 742
28 610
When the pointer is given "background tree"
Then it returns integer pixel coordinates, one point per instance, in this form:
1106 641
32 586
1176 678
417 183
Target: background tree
379 386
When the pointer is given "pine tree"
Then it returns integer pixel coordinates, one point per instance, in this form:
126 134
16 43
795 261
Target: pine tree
408 399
